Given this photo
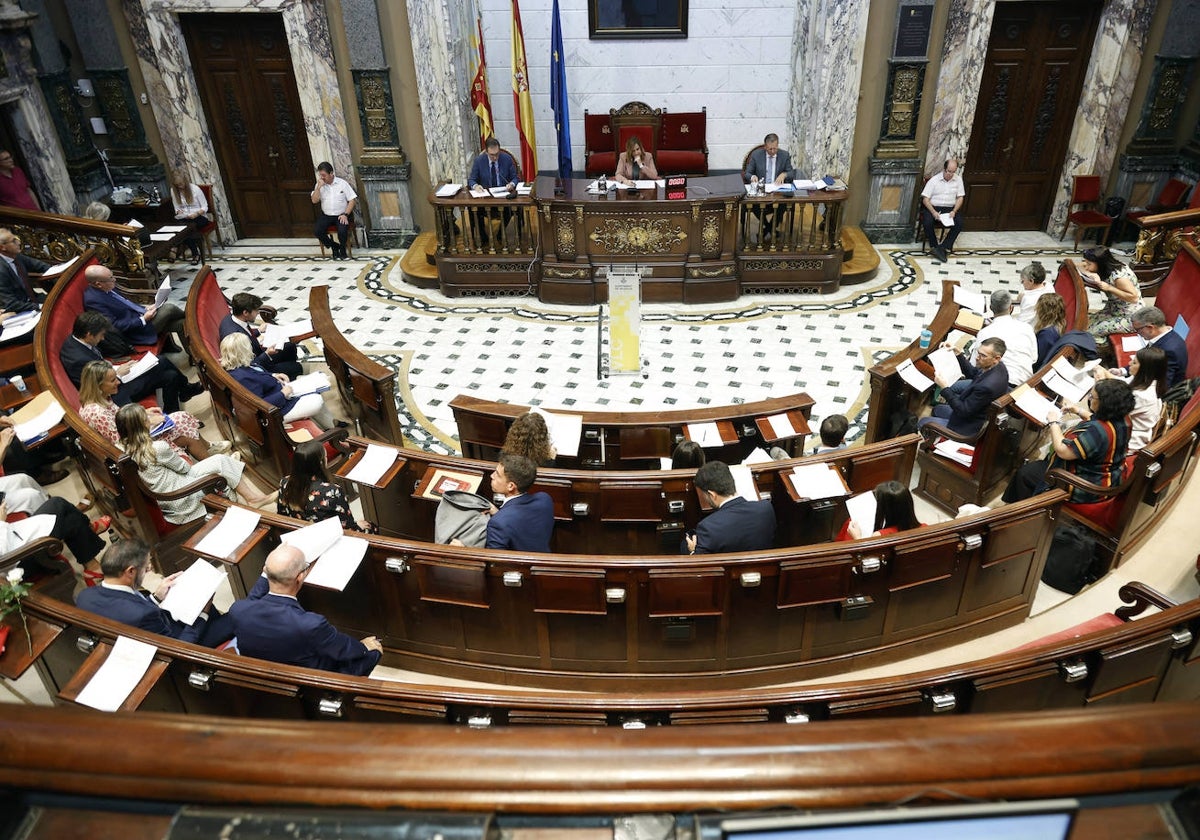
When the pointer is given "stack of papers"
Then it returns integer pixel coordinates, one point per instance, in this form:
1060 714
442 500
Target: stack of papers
805 184
38 417
335 555
376 461
525 189
234 528
962 453
139 367
1072 384
192 591
311 383
818 481
448 190
19 325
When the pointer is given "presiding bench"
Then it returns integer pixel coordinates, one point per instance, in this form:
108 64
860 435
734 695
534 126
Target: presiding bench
678 142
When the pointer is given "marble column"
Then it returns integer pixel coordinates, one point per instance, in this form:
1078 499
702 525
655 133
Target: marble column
1105 99
27 114
964 51
826 73
440 32
171 84
384 170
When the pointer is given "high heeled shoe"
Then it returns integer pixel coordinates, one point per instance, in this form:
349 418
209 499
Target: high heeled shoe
101 524
92 578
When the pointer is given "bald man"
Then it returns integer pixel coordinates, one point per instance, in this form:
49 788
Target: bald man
270 623
137 324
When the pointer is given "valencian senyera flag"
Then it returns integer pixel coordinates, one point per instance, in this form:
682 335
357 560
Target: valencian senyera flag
481 104
522 102
558 95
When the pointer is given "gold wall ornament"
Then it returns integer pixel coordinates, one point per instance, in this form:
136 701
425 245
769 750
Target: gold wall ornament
723 271
567 273
638 235
1147 245
710 234
564 237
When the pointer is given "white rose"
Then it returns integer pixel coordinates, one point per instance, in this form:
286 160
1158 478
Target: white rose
15 574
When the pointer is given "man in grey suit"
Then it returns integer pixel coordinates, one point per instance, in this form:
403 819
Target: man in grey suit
771 165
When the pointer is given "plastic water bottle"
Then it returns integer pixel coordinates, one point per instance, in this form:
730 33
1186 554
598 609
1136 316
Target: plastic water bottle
602 184
926 339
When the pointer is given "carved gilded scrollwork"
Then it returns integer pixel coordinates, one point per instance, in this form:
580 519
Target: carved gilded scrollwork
723 271
710 234
783 265
566 273
374 96
638 236
564 237
1167 98
1148 244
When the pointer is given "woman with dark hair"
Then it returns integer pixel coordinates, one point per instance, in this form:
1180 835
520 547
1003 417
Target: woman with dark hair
1049 323
1094 450
688 455
308 493
529 436
1148 381
1122 296
1033 287
893 512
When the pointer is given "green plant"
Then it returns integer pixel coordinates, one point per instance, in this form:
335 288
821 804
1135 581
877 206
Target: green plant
13 588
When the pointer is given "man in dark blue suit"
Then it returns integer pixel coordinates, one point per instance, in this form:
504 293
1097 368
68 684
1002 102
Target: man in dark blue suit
120 597
524 521
138 324
736 524
271 624
967 400
493 168
245 308
1151 324
16 292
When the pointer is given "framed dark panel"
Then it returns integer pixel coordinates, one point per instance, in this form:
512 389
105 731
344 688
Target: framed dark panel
637 19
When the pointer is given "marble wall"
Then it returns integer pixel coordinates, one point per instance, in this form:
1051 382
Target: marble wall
955 93
171 87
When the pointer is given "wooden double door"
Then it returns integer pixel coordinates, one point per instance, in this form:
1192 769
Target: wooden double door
247 86
1037 56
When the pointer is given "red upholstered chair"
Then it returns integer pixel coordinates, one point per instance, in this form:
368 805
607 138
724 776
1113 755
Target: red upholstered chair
683 147
1085 190
1170 197
598 146
211 228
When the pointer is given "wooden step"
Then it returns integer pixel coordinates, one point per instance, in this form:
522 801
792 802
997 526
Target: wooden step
417 265
864 259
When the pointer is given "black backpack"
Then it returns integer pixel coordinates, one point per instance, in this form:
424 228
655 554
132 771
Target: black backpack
1071 563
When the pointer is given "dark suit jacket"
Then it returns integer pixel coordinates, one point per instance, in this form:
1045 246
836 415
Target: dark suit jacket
277 628
74 355
481 170
262 384
647 170
758 164
284 361
523 523
137 611
969 405
1173 344
737 525
13 295
124 320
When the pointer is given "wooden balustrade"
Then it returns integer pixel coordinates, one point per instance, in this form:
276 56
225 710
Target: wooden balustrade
54 238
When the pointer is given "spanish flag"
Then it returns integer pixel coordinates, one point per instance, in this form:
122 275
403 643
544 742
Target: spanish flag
480 102
522 101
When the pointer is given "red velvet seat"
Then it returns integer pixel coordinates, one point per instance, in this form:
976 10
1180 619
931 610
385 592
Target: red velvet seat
598 145
1085 189
683 147
1170 197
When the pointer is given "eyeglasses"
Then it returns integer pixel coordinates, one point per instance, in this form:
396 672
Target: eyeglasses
986 356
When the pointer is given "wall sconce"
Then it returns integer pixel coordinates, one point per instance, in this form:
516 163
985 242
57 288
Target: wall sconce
83 87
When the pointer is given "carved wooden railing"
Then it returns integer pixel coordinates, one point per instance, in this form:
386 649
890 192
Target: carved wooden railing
55 239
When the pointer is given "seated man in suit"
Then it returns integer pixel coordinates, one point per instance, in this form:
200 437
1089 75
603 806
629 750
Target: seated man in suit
120 597
245 308
771 165
1151 324
16 292
524 521
735 524
137 324
270 623
82 346
492 168
967 400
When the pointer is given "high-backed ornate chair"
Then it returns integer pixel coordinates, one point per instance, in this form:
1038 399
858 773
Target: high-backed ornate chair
636 119
683 147
598 144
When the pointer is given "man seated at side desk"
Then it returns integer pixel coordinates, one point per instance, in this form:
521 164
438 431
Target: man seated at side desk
120 597
271 624
244 308
524 521
492 168
735 524
770 165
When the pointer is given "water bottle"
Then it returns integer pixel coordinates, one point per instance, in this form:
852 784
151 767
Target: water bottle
602 184
926 339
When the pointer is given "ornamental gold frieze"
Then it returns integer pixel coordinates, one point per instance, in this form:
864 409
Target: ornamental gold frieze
566 273
783 265
638 235
122 254
723 271
482 268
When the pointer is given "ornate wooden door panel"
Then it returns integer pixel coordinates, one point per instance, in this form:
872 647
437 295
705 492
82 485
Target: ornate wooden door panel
1029 95
247 85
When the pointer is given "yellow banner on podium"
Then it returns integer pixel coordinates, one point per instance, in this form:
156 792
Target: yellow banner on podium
625 319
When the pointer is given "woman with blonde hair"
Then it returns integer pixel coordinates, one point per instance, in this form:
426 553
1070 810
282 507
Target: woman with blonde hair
164 470
1049 323
97 385
635 163
530 437
191 208
237 357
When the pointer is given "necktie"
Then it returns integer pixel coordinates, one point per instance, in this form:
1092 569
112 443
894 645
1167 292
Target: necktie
140 310
770 169
20 269
495 175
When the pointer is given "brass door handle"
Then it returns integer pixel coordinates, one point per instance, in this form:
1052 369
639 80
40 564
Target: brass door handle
271 153
1008 149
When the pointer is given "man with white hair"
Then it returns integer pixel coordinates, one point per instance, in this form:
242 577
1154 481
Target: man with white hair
270 623
1018 338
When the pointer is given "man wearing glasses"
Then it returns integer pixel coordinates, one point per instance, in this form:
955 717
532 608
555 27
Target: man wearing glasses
967 400
1151 324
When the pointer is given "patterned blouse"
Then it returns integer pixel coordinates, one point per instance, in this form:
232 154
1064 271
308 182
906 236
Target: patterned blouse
1100 447
324 500
103 418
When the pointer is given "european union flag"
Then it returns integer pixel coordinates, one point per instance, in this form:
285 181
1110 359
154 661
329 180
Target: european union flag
558 96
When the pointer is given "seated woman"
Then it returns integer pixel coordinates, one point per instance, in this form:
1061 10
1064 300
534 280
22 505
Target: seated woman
190 208
1049 324
1122 295
688 455
309 494
1094 450
529 436
97 385
1033 286
893 512
1148 380
237 357
69 525
635 163
164 470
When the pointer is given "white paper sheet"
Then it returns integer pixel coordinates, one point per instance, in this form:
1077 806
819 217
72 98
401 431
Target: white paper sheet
313 540
164 290
29 529
806 184
862 510
134 223
140 366
945 363
913 377
19 325
955 451
1032 403
61 267
818 481
47 419
757 455
525 189
374 463
448 190
781 426
743 482
1132 343
1068 389
192 591
705 434
161 237
310 383
338 563
946 219
565 431
975 301
172 228
113 681
235 526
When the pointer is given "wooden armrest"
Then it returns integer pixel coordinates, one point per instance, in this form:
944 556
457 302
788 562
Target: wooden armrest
49 546
930 432
209 483
1137 596
1068 480
268 313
